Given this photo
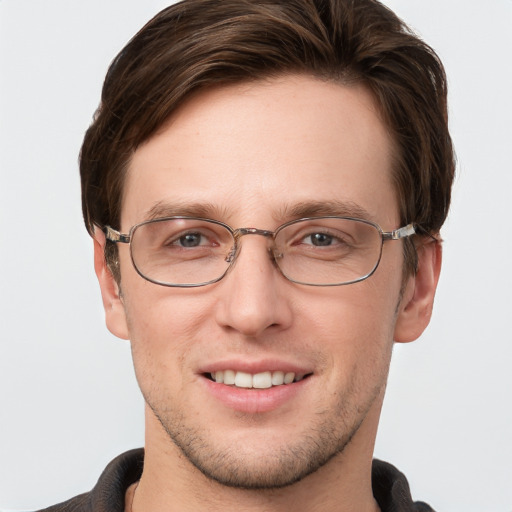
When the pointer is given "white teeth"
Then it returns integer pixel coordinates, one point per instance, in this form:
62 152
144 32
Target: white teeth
229 377
288 377
263 380
243 380
277 378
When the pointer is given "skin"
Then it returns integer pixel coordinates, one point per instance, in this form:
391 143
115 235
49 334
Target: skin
252 153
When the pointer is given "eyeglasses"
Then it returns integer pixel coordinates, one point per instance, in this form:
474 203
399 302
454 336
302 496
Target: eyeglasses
317 251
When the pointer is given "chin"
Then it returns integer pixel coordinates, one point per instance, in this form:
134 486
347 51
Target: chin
269 462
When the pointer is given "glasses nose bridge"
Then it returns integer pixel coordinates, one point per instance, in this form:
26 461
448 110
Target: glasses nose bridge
239 233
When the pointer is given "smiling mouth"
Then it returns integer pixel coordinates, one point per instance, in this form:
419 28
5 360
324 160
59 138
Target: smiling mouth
263 380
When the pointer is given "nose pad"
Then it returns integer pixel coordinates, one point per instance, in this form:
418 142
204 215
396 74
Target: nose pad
232 254
275 254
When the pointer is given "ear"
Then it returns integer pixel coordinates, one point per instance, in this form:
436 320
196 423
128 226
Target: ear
115 316
415 308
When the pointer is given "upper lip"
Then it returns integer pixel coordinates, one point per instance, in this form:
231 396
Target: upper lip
254 367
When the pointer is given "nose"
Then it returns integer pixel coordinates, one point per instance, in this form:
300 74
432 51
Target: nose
254 296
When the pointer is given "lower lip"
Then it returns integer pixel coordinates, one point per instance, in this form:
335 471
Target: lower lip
252 400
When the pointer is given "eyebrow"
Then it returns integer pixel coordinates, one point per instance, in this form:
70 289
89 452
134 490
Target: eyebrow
324 208
283 214
186 209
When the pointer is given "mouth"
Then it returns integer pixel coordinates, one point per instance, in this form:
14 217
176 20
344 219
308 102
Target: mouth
261 380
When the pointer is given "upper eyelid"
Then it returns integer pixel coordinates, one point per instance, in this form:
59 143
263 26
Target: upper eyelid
177 217
323 230
304 231
204 230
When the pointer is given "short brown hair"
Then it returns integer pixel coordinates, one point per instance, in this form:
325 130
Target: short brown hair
196 44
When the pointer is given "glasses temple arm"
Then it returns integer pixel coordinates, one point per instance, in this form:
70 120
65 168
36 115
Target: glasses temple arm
399 233
115 236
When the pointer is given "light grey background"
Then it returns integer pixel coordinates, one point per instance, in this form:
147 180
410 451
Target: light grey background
68 399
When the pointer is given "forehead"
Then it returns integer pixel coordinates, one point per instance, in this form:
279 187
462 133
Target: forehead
260 150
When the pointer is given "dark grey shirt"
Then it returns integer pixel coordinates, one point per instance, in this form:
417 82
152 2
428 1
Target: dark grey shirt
390 488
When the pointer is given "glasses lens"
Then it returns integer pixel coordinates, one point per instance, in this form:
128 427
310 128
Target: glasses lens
328 251
183 252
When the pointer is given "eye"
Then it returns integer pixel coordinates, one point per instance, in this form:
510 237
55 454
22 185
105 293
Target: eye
319 239
324 239
193 239
188 237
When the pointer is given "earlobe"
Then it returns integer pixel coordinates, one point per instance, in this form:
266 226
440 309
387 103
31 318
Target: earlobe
416 306
115 316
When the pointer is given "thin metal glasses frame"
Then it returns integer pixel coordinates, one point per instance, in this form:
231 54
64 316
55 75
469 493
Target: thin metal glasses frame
117 237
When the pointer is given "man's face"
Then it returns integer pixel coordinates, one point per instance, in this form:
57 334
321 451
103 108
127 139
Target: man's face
253 155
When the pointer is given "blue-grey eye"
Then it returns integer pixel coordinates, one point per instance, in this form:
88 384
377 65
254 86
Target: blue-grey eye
190 240
320 239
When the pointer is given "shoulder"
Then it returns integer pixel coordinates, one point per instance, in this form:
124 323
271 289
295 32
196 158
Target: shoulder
77 504
108 494
391 490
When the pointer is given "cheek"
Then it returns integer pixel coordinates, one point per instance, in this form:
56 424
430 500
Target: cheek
159 315
353 326
164 328
356 310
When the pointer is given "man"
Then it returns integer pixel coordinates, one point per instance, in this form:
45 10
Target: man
265 182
